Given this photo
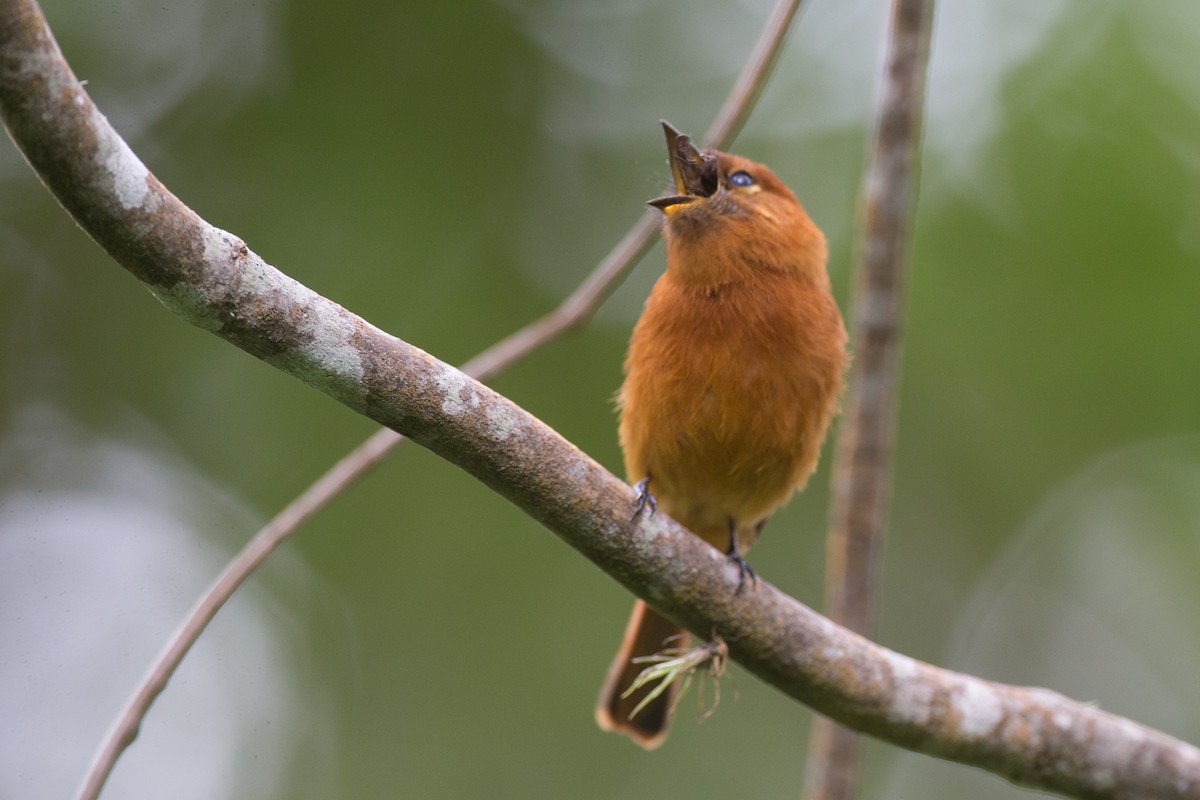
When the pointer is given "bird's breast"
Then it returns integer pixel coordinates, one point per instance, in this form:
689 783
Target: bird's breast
728 394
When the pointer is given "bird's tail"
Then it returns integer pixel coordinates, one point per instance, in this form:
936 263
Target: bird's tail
646 634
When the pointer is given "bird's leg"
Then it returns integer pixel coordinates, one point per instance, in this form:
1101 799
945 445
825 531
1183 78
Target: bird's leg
644 498
734 554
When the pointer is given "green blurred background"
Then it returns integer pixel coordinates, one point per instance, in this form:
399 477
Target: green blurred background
450 171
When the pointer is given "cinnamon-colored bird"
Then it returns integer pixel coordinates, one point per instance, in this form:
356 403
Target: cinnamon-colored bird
733 376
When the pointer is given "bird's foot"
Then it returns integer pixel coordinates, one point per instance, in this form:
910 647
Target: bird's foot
643 498
744 571
734 554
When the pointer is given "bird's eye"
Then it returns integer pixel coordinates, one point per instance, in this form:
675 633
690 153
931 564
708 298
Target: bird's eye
741 178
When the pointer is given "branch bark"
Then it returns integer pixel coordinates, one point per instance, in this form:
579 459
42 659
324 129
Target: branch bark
212 279
862 476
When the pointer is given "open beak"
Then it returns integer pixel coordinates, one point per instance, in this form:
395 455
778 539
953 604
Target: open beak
695 172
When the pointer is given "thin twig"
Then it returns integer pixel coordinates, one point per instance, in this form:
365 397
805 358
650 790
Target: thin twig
211 279
750 83
862 479
572 313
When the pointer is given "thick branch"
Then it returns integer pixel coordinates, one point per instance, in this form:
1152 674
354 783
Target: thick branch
862 477
212 279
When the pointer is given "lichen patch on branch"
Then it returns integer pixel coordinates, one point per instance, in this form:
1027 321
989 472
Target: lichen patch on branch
457 393
982 709
126 171
502 422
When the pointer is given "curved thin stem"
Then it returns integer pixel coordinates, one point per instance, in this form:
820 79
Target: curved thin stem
750 83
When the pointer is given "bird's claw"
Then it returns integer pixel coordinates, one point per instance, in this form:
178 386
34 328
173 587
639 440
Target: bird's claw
744 569
643 498
734 554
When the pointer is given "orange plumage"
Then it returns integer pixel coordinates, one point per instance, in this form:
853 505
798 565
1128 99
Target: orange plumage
733 376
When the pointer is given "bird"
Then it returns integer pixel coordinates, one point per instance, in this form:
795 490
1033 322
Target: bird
734 374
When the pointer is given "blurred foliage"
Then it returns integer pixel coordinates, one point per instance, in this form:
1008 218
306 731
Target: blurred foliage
450 171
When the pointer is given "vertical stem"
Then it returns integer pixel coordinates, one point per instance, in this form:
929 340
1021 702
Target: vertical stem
861 485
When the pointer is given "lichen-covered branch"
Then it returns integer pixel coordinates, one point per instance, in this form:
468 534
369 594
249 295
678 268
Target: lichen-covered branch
214 280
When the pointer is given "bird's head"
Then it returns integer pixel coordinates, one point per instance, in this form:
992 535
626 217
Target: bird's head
731 218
